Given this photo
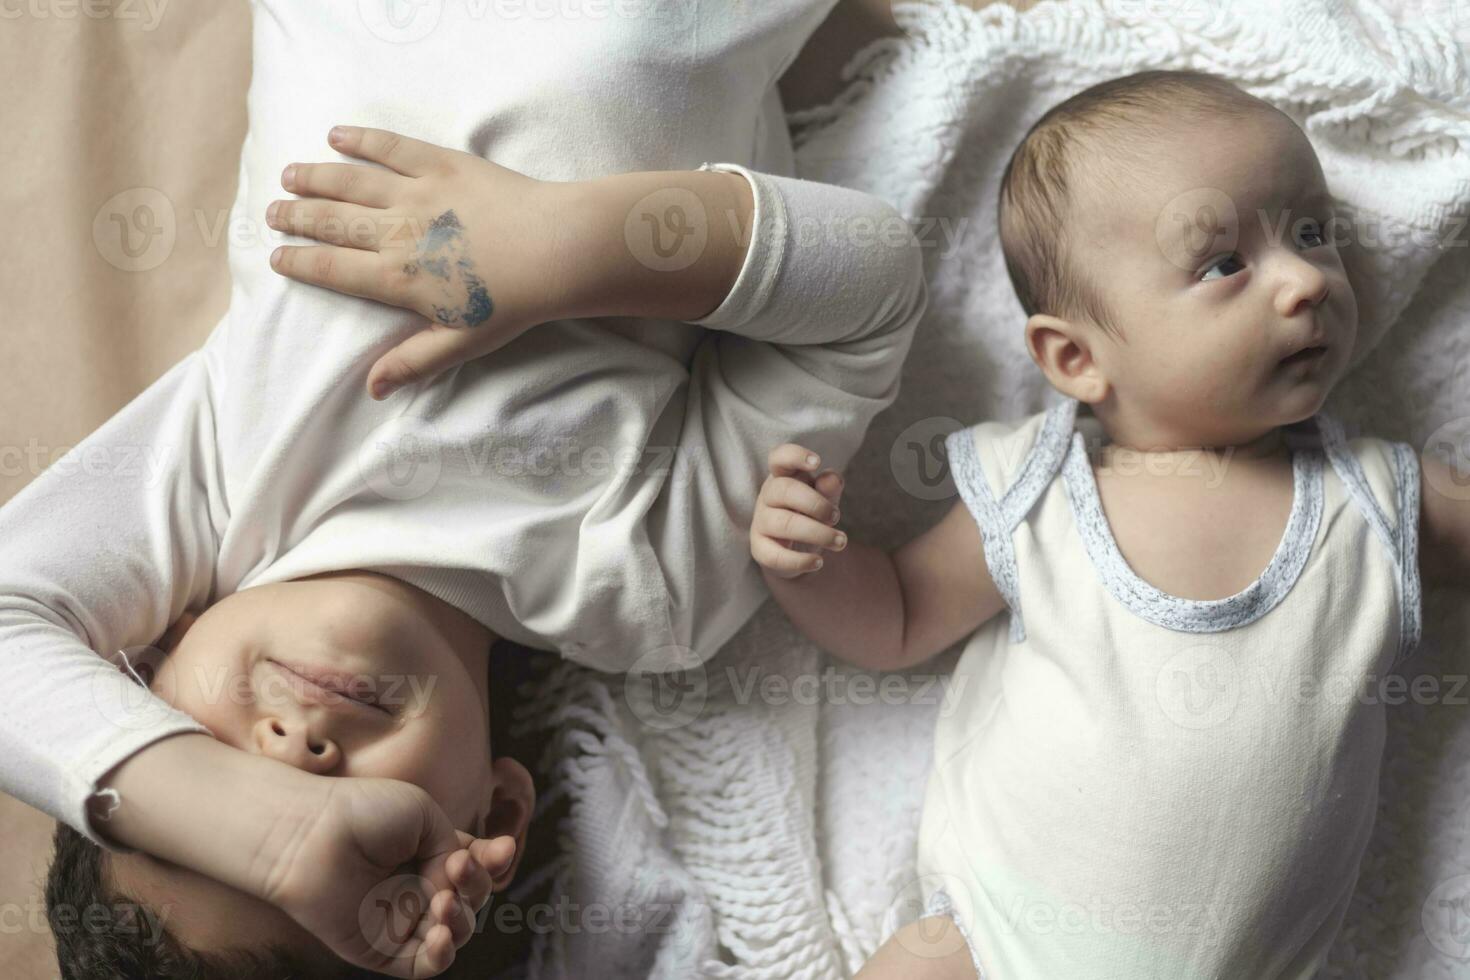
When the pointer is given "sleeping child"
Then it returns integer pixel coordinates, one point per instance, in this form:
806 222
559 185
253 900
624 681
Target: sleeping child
1167 766
308 575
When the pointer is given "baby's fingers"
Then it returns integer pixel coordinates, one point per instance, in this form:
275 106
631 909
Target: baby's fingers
783 561
789 459
775 522
829 483
784 492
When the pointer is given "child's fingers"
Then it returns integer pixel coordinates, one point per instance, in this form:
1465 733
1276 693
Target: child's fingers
783 561
427 353
348 182
791 494
494 854
346 270
329 221
435 953
470 879
451 910
791 526
789 459
410 157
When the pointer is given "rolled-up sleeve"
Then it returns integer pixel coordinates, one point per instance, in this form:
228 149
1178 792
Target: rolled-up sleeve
808 347
100 552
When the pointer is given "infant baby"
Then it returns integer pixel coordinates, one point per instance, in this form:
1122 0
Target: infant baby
1167 765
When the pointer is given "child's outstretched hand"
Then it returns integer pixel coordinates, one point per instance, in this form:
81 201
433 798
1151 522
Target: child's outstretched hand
384 880
467 243
796 513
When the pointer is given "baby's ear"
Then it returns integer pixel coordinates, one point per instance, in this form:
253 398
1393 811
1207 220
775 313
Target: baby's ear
508 811
1063 351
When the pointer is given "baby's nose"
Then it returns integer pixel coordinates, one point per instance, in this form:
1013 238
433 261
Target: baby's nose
294 743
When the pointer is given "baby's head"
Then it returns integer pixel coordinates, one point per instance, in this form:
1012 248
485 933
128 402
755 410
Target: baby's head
346 674
1170 238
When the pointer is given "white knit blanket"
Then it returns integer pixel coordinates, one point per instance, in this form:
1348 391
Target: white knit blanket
757 818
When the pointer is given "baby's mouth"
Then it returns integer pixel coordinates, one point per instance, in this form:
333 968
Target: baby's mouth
1307 355
329 686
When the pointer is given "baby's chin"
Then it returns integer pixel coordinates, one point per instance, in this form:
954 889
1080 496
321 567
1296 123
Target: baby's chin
1306 396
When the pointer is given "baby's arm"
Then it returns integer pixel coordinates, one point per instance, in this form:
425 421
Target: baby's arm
1445 524
808 347
872 609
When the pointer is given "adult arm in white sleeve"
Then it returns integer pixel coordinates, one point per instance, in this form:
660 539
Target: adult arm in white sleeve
100 553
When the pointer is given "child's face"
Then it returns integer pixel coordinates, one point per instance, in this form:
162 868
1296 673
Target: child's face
342 675
1218 263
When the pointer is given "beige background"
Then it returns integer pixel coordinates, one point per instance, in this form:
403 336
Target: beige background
96 106
144 99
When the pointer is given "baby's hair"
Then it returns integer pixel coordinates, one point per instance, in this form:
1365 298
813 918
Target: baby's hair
1068 146
102 934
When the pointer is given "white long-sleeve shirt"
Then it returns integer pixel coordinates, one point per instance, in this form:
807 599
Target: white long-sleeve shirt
504 487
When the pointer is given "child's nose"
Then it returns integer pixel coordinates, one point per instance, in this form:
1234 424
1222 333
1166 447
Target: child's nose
1303 286
294 743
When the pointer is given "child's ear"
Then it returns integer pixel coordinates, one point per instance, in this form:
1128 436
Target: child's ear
508 811
1063 350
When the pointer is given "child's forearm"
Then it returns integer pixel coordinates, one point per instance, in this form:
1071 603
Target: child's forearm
201 804
853 607
659 244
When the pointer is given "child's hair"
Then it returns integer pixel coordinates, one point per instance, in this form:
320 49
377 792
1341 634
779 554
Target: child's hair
1109 121
102 934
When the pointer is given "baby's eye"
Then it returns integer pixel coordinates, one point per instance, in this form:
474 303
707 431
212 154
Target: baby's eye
1309 234
1227 265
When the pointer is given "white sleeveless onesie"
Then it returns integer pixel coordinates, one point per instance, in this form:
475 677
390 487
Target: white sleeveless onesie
1134 785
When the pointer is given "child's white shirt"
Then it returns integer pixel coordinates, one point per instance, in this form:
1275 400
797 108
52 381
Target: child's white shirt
587 489
1133 784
